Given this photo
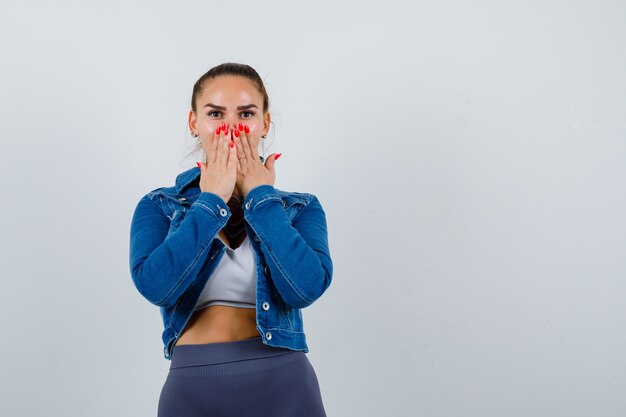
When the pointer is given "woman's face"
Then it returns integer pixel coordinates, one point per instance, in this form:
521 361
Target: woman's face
232 100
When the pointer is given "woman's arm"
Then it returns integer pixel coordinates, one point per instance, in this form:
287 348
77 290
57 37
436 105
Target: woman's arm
162 267
297 254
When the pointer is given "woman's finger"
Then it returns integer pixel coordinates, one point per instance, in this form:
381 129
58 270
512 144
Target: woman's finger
245 143
232 158
224 146
215 145
237 137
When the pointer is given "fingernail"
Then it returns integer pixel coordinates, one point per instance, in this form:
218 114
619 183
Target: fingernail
232 143
218 130
224 126
226 131
247 129
277 156
198 163
236 133
240 127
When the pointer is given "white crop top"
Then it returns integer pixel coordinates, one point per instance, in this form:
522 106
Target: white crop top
233 281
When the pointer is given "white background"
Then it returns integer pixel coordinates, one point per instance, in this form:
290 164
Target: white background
470 157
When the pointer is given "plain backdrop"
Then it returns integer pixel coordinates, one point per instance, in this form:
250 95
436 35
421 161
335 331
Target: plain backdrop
470 157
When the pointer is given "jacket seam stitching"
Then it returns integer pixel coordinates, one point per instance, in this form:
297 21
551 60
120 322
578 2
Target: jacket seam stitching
207 208
266 199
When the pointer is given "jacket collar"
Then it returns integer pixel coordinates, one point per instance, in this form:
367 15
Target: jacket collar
187 177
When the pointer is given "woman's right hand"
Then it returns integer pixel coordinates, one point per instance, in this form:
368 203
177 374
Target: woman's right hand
219 174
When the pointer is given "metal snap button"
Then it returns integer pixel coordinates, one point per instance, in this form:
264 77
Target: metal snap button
223 212
257 238
268 336
248 205
266 306
267 270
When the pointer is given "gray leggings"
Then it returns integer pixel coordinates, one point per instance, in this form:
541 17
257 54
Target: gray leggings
242 378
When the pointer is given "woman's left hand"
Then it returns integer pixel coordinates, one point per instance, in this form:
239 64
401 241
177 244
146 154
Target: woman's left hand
251 172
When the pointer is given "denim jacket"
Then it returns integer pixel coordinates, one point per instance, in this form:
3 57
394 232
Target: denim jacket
174 248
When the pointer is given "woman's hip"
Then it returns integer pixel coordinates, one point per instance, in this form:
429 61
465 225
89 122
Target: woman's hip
240 378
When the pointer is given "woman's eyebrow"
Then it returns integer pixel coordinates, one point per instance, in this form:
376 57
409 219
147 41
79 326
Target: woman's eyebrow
215 106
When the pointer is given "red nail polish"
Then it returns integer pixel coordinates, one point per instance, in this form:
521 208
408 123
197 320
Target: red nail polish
240 127
218 130
247 129
226 132
236 133
224 126
232 143
277 156
198 163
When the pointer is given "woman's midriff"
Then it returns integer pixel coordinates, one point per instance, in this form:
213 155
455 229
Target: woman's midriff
219 323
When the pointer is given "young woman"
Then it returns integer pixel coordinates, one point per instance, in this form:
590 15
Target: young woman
231 261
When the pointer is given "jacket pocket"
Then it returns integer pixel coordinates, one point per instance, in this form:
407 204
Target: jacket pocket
175 211
176 217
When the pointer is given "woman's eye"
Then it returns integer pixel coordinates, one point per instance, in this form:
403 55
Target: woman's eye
215 113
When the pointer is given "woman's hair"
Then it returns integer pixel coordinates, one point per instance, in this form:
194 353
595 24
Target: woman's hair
230 68
227 68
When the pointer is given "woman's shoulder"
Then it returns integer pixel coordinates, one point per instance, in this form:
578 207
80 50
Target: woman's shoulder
292 193
295 195
288 197
162 192
182 181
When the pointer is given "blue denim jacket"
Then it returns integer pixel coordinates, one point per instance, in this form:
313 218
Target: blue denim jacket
174 248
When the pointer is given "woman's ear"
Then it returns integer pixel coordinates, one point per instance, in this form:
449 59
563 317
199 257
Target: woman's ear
192 121
266 123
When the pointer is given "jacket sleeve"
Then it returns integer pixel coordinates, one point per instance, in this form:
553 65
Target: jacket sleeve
163 265
297 253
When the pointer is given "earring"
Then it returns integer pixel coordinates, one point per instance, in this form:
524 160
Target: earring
194 134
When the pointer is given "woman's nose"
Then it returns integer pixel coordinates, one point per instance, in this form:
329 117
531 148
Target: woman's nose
231 123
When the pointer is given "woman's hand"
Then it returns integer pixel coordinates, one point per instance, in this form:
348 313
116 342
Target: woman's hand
251 172
219 174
